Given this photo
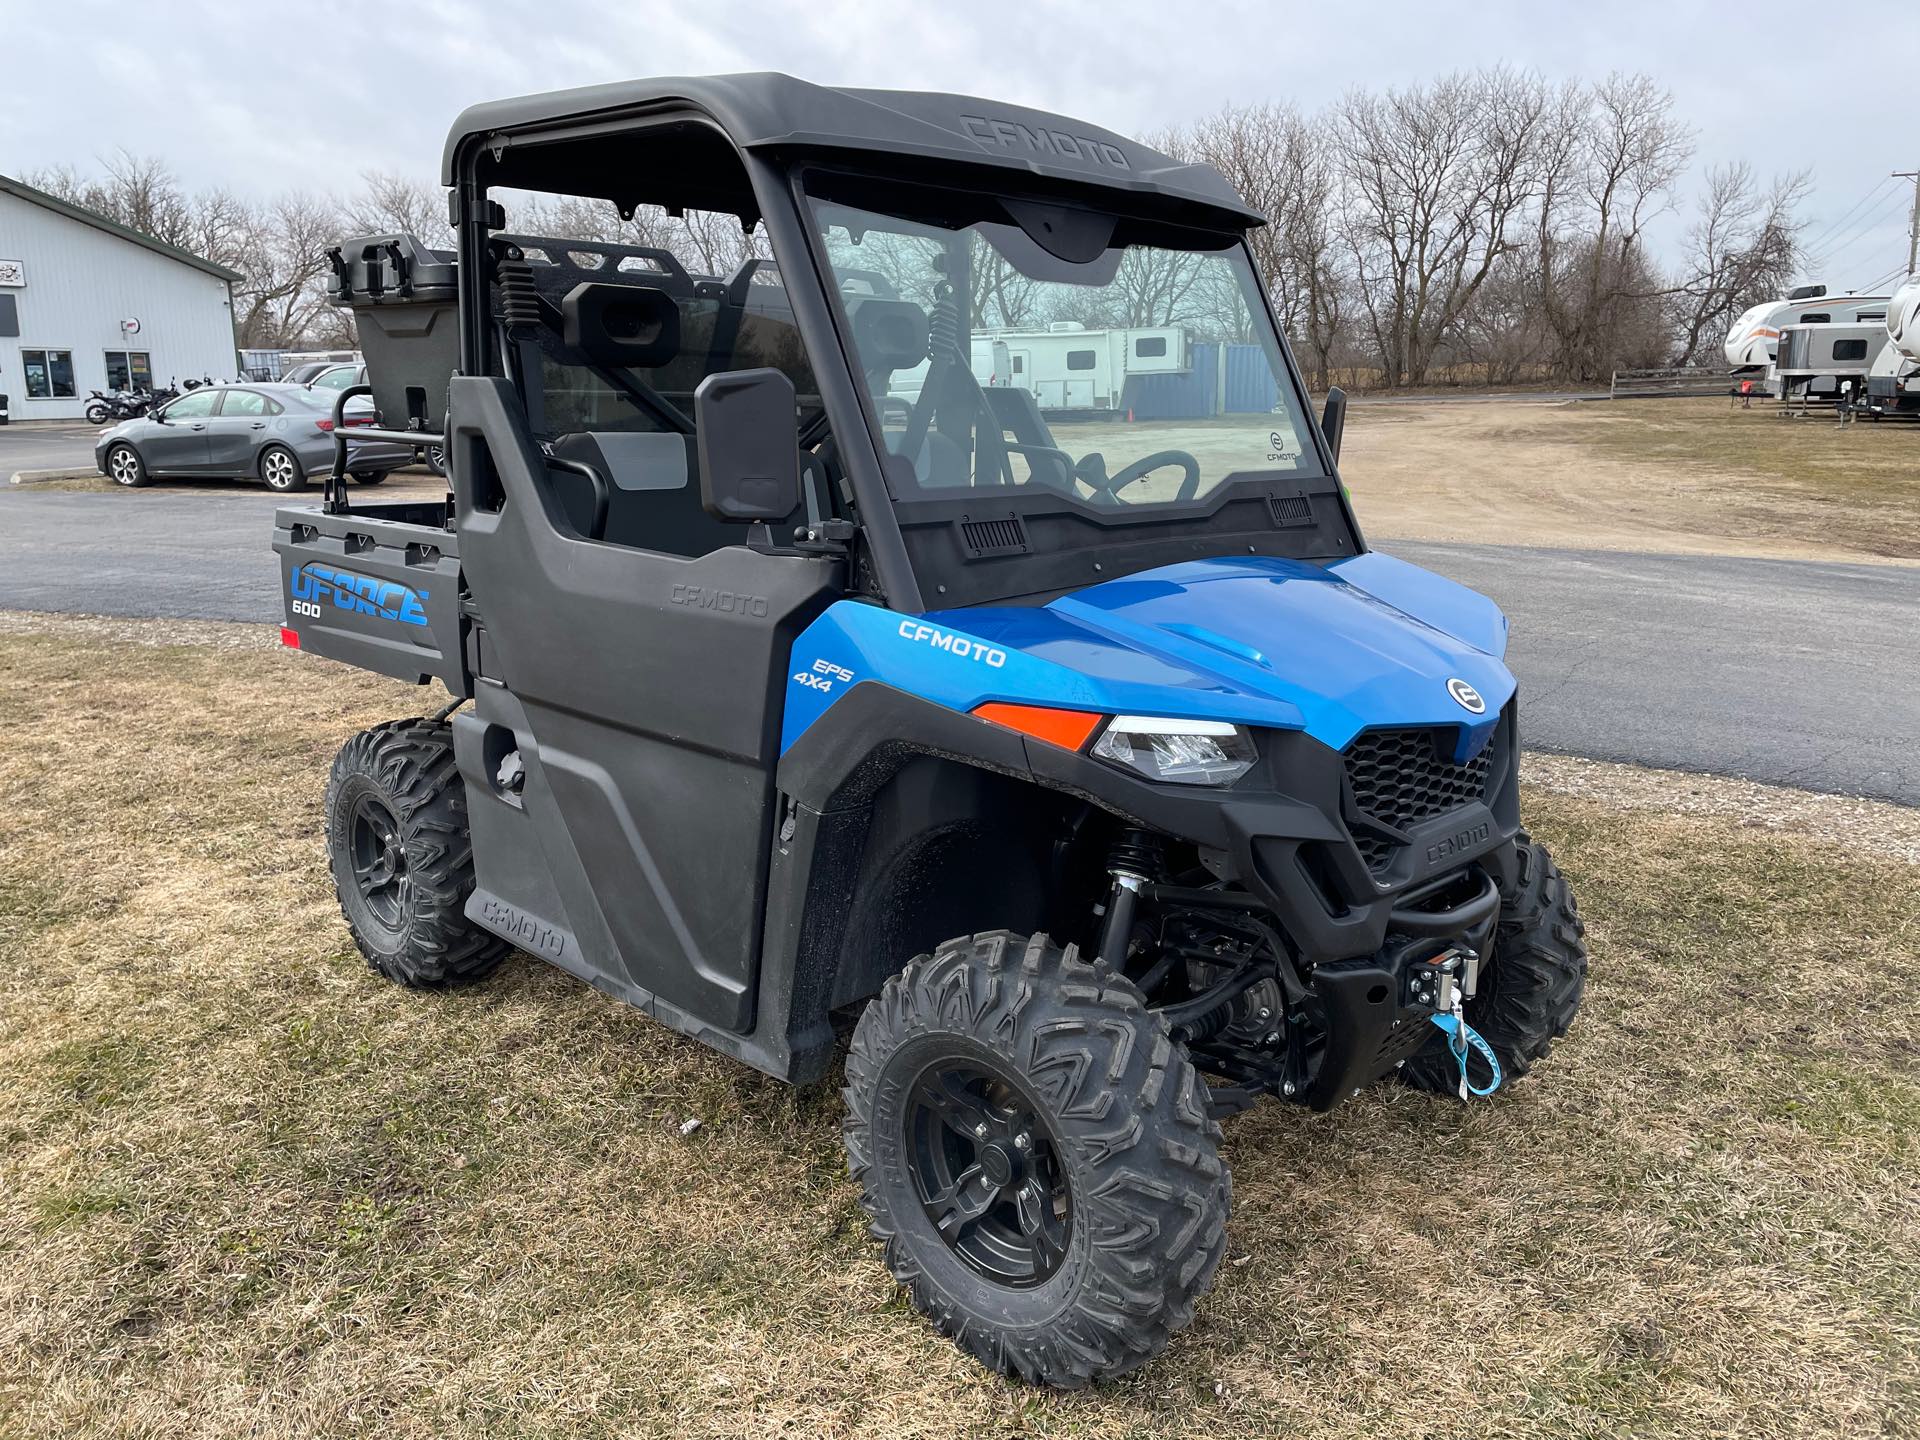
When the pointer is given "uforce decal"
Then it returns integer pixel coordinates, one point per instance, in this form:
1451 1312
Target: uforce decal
954 644
727 602
313 583
1012 135
1454 844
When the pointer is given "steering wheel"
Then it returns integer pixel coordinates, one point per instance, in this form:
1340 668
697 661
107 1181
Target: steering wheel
1093 470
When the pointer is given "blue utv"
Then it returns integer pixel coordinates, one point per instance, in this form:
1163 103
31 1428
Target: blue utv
901 616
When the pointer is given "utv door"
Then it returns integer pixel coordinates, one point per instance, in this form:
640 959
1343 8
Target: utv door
640 690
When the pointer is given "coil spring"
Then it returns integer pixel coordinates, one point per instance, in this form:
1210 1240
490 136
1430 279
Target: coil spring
1137 853
519 296
943 328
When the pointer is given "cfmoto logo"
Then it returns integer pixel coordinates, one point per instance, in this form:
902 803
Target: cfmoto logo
1467 697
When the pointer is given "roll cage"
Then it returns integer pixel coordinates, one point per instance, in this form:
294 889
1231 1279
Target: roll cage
746 145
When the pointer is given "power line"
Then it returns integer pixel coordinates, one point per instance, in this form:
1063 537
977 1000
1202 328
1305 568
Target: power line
1913 222
1896 273
1859 232
1866 199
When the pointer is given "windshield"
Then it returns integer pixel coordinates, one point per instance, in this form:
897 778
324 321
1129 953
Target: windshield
1036 348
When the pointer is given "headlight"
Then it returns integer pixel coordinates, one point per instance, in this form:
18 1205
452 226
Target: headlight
1184 752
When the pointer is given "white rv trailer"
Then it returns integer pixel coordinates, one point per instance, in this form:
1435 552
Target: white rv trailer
1893 384
1754 342
1828 358
1069 367
991 365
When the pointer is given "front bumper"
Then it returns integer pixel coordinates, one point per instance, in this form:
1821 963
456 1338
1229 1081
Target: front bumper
1285 831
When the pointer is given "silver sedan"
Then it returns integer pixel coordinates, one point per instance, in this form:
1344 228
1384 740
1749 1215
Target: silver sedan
277 434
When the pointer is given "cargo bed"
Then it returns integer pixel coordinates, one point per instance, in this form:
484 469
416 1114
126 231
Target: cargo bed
377 587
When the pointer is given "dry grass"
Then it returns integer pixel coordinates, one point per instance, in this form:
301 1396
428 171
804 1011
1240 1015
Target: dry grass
247 1190
1648 475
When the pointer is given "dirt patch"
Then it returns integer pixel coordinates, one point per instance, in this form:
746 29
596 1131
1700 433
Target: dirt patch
248 1190
1688 476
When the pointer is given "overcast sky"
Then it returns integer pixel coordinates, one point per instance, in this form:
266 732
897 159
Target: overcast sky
262 97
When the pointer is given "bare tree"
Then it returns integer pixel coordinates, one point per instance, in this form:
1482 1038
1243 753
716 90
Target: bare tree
1741 248
280 298
390 204
1614 154
1436 180
1281 166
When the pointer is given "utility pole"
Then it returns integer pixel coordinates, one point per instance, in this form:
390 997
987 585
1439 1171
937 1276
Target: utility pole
1913 221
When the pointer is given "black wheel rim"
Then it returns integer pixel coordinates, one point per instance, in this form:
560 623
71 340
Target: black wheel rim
379 861
988 1172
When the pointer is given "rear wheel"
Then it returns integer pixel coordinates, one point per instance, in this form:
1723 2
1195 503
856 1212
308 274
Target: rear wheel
97 414
402 858
125 467
1036 1154
368 477
437 459
281 469
1531 987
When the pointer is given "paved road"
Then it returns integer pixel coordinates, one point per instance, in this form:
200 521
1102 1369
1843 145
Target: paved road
45 447
1788 671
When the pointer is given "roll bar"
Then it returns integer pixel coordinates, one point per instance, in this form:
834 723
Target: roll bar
335 502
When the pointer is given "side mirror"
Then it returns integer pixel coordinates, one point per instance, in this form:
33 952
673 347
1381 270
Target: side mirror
1333 420
749 445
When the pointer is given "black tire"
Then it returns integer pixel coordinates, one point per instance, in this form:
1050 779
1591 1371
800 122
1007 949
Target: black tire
1533 982
369 477
994 1036
281 470
125 467
402 857
436 456
98 414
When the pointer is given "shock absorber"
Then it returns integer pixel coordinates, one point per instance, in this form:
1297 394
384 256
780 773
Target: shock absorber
1134 863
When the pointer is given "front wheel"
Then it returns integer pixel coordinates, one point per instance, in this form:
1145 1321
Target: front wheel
1532 984
402 856
97 414
125 467
437 459
1036 1154
368 477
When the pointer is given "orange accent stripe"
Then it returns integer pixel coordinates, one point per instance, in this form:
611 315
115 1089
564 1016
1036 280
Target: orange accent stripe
1068 729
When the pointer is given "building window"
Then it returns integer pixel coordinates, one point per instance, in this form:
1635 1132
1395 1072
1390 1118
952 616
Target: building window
1150 347
1816 319
1849 350
49 374
129 370
1019 364
1080 359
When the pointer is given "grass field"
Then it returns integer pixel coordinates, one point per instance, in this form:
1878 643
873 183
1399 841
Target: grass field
1664 475
248 1190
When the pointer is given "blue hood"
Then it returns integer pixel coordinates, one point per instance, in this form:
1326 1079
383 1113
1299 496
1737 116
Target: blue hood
1329 649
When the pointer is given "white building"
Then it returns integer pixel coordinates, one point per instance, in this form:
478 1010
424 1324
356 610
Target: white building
86 304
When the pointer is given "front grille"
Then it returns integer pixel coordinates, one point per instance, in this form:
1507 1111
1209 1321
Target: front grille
1401 777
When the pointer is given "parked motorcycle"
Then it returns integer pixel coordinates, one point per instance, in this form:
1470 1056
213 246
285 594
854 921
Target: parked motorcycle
111 408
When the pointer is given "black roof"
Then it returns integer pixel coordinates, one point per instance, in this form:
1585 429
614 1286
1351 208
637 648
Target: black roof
772 111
